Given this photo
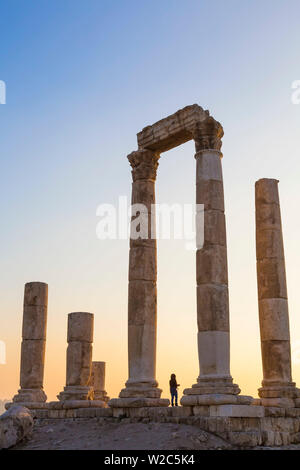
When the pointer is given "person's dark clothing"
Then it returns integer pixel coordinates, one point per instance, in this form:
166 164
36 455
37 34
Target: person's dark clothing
174 394
173 391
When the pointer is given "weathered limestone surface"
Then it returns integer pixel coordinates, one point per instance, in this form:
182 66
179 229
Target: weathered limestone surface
98 381
277 386
33 344
172 130
79 357
243 426
141 386
214 381
15 425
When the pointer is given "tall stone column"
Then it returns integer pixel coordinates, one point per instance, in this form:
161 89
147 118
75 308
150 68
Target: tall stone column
79 357
142 297
211 274
98 381
33 344
277 386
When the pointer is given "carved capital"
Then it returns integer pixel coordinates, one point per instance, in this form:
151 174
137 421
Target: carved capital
208 134
144 164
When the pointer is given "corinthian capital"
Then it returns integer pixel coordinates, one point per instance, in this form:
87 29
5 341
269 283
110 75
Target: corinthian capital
144 164
208 134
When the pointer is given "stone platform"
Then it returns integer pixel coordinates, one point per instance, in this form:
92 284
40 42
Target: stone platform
242 425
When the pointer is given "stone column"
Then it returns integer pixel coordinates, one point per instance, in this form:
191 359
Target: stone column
277 386
33 344
79 357
98 381
142 300
211 273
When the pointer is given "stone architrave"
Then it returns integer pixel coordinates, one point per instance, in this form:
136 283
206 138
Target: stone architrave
79 357
33 345
277 389
98 381
211 272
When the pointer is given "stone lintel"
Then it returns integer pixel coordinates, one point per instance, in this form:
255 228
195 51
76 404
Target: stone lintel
173 130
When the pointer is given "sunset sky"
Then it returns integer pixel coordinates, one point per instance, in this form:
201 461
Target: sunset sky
82 78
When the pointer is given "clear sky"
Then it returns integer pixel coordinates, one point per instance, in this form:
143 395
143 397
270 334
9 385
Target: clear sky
83 77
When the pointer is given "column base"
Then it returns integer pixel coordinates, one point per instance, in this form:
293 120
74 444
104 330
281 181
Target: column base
213 391
282 394
101 395
30 395
73 392
139 394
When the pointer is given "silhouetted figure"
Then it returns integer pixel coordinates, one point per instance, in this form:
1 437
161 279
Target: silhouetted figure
173 389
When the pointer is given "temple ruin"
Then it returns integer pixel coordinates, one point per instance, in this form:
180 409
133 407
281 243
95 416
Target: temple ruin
214 402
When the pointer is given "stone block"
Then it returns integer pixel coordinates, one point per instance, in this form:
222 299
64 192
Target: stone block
80 327
200 410
104 412
237 410
34 322
211 194
141 302
274 319
15 425
40 414
276 360
139 402
79 361
283 424
173 130
267 217
208 166
32 364
295 438
268 438
244 400
271 279
211 265
274 412
143 194
277 402
181 411
292 412
55 405
212 308
244 439
75 404
85 413
266 191
143 228
213 348
142 264
214 228
269 243
36 294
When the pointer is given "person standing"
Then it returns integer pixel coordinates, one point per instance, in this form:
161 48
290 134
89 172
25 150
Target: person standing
173 389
